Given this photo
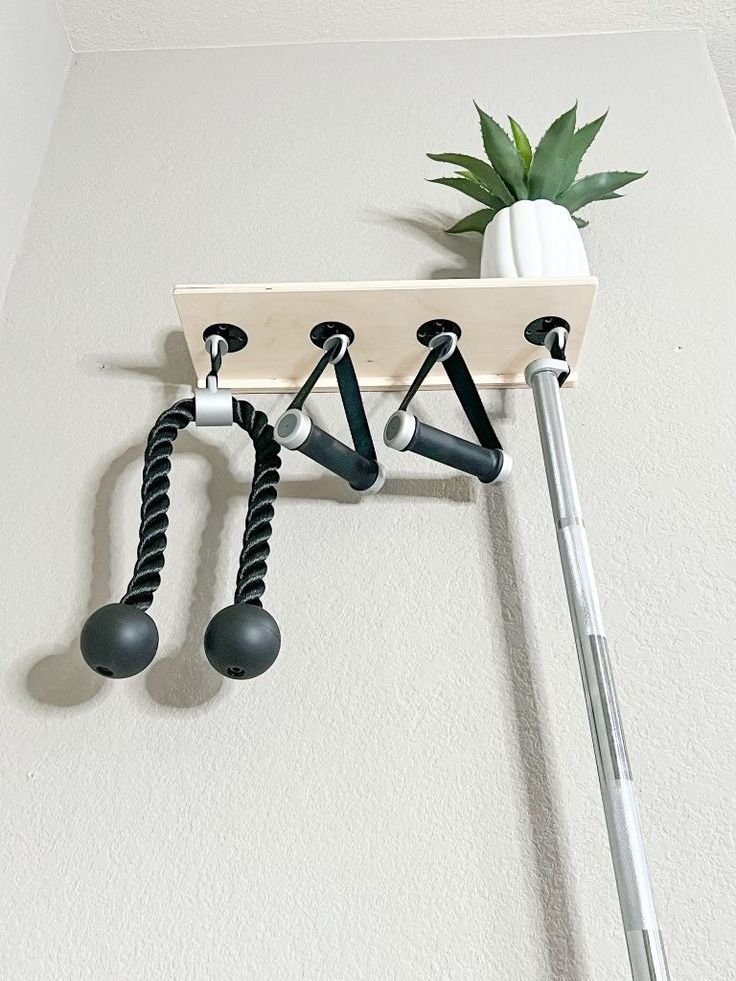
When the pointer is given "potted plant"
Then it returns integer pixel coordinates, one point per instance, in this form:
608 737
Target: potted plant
530 198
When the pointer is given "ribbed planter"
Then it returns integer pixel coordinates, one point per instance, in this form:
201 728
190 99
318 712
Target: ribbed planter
534 239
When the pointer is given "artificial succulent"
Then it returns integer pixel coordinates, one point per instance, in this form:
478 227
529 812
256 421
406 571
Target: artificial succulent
515 172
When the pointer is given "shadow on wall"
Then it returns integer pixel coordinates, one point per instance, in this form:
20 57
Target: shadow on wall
184 678
563 941
173 369
181 679
428 227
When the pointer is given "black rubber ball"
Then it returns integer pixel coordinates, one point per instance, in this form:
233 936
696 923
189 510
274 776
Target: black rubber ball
242 641
119 641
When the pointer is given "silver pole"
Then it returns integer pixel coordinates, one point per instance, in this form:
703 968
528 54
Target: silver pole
644 941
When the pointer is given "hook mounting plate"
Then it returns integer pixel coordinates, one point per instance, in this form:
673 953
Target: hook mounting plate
235 337
384 317
433 328
331 328
536 332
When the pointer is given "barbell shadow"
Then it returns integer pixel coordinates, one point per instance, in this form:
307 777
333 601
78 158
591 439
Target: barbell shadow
560 919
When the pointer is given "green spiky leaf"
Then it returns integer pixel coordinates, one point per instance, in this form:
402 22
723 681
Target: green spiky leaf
522 144
472 188
551 161
580 144
516 172
471 177
503 155
481 171
594 187
477 222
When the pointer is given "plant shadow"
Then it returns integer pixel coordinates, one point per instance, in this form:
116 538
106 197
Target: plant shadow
462 252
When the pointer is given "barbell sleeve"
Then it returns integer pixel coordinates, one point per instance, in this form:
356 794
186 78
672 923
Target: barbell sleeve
296 431
405 432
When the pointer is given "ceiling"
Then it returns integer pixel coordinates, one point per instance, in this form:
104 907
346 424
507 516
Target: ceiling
106 25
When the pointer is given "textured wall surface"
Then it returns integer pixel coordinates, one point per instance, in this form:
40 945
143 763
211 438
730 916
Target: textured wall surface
112 24
34 57
410 793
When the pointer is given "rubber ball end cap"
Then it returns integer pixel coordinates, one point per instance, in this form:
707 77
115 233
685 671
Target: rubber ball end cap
242 641
119 641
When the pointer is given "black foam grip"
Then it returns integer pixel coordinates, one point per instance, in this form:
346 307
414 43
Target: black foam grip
454 452
359 471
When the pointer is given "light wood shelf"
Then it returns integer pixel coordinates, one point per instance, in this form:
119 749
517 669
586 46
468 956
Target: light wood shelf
277 317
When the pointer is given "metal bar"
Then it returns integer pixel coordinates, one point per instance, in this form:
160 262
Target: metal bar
643 938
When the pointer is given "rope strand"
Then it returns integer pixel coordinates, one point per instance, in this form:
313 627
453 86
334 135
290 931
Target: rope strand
250 585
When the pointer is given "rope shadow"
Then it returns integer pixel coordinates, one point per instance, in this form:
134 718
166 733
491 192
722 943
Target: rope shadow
182 677
61 678
560 920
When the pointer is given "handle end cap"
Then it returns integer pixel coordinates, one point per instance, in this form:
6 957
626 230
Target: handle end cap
292 429
399 430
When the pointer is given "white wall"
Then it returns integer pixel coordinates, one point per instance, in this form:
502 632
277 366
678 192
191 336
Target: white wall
132 24
34 56
410 792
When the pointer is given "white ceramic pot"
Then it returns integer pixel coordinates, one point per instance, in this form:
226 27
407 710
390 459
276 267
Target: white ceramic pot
533 238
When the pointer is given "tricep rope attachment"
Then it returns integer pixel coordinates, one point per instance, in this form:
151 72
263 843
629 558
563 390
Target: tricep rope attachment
243 640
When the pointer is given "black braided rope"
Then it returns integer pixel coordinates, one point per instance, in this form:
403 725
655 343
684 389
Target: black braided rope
155 503
252 567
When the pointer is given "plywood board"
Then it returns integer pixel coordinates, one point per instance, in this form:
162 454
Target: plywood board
492 314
